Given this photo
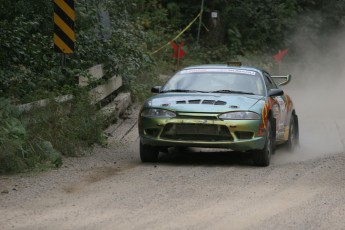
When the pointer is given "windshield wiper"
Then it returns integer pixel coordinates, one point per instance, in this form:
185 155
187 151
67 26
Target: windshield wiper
183 91
232 91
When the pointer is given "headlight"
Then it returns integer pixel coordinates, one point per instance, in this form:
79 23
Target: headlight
240 116
157 113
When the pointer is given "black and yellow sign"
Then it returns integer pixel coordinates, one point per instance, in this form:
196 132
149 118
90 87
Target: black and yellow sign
64 17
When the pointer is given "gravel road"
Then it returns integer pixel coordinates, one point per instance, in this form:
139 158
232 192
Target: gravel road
110 188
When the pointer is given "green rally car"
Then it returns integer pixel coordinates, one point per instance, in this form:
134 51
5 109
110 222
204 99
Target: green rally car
219 106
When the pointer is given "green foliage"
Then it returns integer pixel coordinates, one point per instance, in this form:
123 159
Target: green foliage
27 62
85 123
54 155
29 68
258 25
12 137
69 127
330 13
44 135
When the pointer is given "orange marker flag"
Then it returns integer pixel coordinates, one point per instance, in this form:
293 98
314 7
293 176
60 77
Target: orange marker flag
178 51
280 55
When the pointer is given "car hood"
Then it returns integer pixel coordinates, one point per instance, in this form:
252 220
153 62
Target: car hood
202 102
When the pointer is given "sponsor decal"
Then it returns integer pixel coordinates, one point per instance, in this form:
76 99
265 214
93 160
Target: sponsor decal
241 71
288 103
265 114
281 118
267 106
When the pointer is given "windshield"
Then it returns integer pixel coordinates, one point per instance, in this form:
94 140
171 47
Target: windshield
216 80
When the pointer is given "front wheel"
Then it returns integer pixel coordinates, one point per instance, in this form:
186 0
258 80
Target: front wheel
148 153
262 157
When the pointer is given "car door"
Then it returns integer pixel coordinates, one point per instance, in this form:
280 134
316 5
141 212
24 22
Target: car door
279 107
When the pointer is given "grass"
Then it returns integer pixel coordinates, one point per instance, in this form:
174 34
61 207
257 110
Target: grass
40 139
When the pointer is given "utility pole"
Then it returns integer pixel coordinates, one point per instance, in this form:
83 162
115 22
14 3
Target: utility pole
200 20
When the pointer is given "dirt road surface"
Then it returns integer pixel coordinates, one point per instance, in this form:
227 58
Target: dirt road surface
198 189
192 189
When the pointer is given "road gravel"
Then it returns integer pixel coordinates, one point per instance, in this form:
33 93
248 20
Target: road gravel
109 188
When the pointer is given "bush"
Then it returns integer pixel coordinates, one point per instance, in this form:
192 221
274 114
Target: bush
13 136
39 139
70 127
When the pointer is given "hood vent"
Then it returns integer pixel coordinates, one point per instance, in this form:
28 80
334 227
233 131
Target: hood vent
194 101
220 103
205 102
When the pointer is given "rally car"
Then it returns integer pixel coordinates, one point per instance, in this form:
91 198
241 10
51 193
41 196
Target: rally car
219 106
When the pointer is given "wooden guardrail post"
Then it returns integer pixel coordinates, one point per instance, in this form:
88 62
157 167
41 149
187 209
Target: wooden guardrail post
97 94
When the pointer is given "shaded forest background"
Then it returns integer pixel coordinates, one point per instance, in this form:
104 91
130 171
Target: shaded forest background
248 30
30 69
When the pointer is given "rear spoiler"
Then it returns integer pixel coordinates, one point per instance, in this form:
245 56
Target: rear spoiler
282 80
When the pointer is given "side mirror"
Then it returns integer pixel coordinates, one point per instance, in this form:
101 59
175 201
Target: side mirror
156 89
275 92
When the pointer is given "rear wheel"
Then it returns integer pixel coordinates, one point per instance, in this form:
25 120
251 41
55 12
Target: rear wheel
148 153
262 157
293 136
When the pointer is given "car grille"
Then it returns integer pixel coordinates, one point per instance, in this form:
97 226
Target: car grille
204 117
205 102
196 132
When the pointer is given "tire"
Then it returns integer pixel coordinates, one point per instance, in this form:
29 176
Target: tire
181 149
293 135
262 157
148 153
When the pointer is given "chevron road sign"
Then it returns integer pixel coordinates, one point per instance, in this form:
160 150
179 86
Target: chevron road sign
64 17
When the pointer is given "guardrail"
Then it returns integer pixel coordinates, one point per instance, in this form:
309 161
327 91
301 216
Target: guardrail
97 94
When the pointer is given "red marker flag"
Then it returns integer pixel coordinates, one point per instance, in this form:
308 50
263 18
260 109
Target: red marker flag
280 55
178 51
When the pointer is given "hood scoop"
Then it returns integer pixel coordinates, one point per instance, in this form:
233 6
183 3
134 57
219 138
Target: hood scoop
204 102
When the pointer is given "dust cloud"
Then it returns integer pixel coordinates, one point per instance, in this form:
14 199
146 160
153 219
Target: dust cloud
318 91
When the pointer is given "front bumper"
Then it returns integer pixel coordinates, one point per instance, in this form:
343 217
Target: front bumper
201 131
